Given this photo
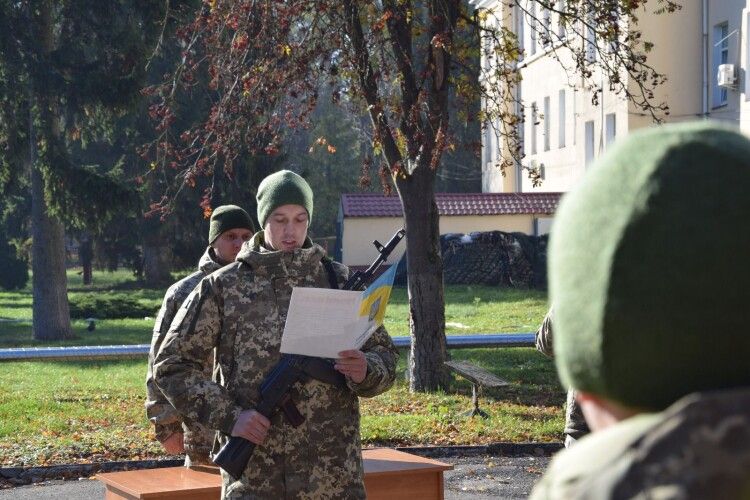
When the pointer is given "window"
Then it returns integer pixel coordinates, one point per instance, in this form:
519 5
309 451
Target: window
488 144
590 41
546 123
532 28
546 26
520 28
561 118
589 143
611 128
721 56
492 153
560 22
534 126
520 127
575 117
615 35
487 52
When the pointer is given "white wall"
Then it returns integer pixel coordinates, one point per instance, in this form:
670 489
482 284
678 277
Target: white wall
745 63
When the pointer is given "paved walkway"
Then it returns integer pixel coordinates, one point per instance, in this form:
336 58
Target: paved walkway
475 478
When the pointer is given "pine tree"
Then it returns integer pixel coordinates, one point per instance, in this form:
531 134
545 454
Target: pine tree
64 68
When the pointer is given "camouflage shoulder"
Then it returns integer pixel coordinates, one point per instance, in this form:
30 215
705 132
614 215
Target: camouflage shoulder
231 271
593 463
181 289
713 424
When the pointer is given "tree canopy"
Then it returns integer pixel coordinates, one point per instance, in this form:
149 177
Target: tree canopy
410 66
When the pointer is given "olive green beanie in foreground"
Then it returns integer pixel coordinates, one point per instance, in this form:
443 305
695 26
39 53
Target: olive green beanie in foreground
649 268
228 217
283 188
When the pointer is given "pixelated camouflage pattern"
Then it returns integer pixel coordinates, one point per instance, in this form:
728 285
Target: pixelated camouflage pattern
698 448
197 438
575 424
240 311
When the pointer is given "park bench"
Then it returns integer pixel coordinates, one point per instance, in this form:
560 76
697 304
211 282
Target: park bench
479 377
389 475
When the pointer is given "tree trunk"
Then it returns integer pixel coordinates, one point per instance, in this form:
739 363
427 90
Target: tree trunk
157 254
157 262
50 309
86 256
427 371
51 313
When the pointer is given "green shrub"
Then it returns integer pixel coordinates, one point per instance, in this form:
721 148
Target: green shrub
109 306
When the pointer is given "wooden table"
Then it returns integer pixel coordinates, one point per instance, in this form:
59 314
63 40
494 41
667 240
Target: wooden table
395 475
164 483
389 474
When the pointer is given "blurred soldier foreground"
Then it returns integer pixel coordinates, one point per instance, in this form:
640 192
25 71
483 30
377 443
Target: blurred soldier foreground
229 228
240 310
649 278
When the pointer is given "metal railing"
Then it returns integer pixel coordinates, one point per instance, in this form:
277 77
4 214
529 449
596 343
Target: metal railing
106 352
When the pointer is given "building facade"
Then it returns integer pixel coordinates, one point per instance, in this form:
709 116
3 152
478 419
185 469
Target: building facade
563 132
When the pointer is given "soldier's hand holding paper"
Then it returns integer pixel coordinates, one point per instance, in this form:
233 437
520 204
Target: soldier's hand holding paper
353 364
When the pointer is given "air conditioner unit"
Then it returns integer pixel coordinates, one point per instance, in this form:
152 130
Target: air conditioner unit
538 168
726 77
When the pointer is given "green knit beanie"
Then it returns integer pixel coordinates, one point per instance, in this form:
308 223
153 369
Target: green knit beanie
283 188
228 217
649 271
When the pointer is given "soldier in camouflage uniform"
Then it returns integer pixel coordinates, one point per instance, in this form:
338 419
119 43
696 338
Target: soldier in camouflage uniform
229 227
240 312
649 279
575 424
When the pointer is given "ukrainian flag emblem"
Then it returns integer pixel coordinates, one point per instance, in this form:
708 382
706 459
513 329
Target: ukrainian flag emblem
375 297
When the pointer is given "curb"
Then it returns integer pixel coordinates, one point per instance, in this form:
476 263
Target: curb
17 476
492 449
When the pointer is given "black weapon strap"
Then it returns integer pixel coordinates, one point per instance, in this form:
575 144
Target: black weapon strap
331 272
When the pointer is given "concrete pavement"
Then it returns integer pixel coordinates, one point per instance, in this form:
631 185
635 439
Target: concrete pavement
481 477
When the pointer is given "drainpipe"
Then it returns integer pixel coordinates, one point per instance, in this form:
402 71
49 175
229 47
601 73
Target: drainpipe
704 107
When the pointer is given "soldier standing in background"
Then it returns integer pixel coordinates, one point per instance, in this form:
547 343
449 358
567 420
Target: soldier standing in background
575 425
230 226
649 279
240 312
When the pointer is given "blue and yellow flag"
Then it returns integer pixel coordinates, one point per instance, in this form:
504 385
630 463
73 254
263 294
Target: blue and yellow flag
375 297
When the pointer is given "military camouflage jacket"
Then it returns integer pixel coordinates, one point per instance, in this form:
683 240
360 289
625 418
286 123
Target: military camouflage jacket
165 418
698 448
240 311
575 425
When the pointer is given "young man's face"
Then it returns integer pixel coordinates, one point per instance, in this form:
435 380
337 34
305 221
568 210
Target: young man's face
228 244
286 228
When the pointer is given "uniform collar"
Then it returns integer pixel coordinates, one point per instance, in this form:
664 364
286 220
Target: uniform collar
258 256
209 263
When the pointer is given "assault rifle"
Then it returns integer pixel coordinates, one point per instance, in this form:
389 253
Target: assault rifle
292 368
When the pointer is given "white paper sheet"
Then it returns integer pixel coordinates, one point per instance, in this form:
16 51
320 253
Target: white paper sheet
323 322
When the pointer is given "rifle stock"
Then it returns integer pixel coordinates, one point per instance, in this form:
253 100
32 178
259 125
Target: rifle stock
234 456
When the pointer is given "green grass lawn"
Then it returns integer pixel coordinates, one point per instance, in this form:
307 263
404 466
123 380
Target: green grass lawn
63 412
67 412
